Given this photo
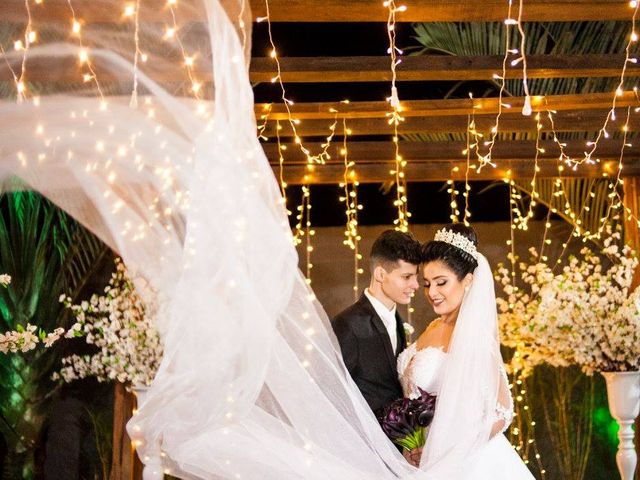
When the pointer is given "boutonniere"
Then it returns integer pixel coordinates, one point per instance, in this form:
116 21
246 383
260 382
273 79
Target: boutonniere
408 329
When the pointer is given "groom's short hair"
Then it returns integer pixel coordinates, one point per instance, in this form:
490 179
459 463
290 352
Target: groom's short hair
392 246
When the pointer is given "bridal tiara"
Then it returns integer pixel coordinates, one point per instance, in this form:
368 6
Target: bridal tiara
457 240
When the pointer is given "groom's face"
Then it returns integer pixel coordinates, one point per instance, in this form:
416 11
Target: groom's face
399 281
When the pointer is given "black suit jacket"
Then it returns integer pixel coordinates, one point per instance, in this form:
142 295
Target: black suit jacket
368 354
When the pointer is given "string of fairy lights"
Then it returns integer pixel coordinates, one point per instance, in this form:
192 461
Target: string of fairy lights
520 221
352 207
523 413
323 156
303 231
89 74
485 159
394 119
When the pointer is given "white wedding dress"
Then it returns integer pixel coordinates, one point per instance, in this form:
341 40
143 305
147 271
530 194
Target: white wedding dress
497 460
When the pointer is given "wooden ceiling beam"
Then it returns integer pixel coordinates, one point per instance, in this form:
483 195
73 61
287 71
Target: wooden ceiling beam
381 151
348 69
436 108
436 68
442 10
564 121
439 161
440 171
102 11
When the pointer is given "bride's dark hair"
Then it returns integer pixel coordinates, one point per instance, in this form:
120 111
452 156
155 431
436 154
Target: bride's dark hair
455 258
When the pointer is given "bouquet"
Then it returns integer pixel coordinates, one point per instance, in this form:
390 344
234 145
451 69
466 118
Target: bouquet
404 421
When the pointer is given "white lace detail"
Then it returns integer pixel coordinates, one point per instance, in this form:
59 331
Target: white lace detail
404 358
420 368
505 412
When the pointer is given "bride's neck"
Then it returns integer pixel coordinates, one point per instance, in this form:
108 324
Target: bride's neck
450 318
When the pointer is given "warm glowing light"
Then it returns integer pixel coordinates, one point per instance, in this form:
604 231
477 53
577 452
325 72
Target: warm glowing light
129 10
169 33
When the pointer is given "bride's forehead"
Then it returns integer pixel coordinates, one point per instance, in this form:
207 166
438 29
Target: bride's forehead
435 269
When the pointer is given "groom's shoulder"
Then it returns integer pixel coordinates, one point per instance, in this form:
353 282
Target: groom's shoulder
352 312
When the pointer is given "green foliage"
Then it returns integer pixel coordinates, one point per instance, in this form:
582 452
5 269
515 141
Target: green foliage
587 198
34 237
46 253
606 427
542 38
573 425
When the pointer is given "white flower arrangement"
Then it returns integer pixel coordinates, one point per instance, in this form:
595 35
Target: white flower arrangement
25 339
584 315
121 325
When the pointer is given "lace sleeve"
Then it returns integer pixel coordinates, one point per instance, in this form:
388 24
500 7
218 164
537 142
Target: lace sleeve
404 359
503 415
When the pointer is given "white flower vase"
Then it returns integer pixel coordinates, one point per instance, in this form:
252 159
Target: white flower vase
153 468
623 391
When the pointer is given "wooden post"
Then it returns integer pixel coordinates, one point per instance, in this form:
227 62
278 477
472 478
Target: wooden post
125 464
632 238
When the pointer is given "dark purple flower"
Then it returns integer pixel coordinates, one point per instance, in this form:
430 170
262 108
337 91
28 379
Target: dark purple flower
404 420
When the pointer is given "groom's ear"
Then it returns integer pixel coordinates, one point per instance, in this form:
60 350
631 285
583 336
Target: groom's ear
378 273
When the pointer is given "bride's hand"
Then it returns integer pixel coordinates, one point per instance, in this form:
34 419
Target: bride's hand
413 456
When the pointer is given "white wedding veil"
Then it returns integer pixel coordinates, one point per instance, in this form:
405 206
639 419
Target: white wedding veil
252 384
473 396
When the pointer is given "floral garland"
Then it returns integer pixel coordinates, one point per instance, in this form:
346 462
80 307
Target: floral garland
118 322
586 315
24 339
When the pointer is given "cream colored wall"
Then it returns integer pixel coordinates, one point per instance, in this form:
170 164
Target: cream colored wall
332 274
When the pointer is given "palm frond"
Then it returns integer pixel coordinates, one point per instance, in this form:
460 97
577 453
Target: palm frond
46 253
582 203
83 260
542 38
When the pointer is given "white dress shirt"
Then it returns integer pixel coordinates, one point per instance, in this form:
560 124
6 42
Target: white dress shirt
388 318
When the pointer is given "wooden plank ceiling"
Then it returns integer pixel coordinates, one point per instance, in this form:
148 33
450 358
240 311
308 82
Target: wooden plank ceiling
435 67
100 11
426 161
355 69
440 161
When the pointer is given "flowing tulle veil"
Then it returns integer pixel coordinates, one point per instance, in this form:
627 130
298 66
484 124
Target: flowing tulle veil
252 384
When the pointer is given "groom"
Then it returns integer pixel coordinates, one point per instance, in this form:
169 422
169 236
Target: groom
371 332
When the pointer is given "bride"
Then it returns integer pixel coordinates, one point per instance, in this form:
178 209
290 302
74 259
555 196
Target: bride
458 359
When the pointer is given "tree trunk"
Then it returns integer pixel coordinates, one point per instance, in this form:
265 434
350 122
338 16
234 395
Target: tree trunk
125 464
